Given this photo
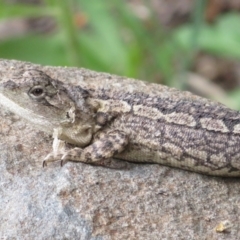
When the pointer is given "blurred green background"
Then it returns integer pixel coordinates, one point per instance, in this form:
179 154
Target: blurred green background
128 38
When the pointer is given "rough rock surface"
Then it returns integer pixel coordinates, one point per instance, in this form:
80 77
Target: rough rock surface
78 201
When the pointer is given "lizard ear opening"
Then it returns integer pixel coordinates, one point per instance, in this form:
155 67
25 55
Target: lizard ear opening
77 92
84 93
78 95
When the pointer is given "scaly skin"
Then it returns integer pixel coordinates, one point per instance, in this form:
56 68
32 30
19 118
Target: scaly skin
120 118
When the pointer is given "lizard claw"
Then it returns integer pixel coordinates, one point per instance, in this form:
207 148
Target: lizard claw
44 164
64 159
63 162
51 157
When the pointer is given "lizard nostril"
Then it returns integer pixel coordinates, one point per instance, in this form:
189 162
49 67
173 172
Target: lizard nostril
10 85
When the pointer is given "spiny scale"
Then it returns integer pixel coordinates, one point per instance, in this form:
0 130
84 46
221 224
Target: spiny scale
120 118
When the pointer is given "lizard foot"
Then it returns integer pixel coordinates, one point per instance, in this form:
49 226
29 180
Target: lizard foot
51 157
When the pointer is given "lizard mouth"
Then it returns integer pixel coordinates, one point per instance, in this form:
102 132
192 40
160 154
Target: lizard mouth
36 119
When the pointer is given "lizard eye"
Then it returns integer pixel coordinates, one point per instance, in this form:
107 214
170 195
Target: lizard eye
37 92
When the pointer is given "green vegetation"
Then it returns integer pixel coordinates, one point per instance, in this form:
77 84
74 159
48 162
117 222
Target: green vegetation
110 38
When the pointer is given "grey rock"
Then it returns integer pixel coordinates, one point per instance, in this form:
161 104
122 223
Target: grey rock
78 201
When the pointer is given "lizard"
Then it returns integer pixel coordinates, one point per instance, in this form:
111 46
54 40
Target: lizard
120 120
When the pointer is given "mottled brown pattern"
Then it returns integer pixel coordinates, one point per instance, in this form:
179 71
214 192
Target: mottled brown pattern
129 120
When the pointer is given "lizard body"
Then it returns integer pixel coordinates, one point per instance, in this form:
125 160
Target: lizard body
128 120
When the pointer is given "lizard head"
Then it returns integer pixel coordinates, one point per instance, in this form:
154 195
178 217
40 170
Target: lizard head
49 105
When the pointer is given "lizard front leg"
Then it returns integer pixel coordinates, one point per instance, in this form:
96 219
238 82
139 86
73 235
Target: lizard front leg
100 152
58 151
